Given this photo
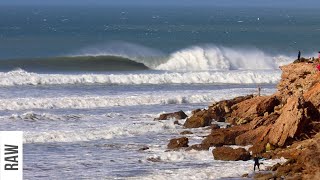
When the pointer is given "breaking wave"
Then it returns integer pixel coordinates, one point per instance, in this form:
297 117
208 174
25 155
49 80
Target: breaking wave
221 58
92 102
21 77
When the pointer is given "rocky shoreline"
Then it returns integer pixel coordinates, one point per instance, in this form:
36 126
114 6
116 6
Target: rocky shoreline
284 124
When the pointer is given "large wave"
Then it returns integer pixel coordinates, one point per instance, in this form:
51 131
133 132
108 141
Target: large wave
194 58
199 58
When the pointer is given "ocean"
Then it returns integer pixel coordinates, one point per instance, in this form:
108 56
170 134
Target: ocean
84 84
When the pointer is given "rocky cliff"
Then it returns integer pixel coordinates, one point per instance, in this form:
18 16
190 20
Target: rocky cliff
272 124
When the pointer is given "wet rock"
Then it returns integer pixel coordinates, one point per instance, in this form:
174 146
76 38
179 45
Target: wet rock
245 175
175 115
178 143
230 154
197 147
199 119
154 159
263 176
144 148
186 132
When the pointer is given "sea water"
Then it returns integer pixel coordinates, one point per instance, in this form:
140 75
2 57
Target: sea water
86 121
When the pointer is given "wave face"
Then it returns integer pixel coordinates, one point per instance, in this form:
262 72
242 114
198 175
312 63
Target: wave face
199 58
75 63
21 77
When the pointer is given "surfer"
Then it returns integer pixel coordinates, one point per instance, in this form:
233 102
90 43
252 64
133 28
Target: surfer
256 163
299 55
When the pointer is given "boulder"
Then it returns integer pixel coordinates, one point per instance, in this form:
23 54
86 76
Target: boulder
176 115
230 154
186 132
178 143
199 119
226 136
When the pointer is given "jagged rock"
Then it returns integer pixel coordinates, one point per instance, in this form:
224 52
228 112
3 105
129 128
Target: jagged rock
178 143
230 154
176 115
264 120
290 123
199 119
226 136
186 132
313 95
251 136
222 109
247 110
296 78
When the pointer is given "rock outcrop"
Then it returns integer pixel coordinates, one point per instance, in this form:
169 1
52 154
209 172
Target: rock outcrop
199 119
230 154
178 143
175 115
285 124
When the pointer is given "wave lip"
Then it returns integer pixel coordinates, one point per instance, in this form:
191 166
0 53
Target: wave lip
21 77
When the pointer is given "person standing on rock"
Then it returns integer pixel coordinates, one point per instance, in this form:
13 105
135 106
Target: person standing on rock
319 55
299 55
256 163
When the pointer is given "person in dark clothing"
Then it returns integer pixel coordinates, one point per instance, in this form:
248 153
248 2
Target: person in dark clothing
256 163
299 55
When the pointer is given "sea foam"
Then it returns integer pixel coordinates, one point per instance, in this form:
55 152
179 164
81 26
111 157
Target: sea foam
21 77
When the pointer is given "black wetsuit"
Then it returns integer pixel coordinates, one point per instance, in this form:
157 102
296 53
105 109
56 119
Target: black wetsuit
299 55
256 163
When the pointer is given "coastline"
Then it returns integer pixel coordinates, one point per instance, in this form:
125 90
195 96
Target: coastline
284 124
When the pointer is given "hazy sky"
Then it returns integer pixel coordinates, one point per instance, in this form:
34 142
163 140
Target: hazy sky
274 3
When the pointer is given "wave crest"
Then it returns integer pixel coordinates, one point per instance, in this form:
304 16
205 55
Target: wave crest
219 58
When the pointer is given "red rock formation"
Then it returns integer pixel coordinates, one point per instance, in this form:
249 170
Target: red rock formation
199 119
226 136
290 123
230 154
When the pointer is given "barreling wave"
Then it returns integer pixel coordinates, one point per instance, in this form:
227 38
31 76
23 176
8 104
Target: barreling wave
21 77
73 63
